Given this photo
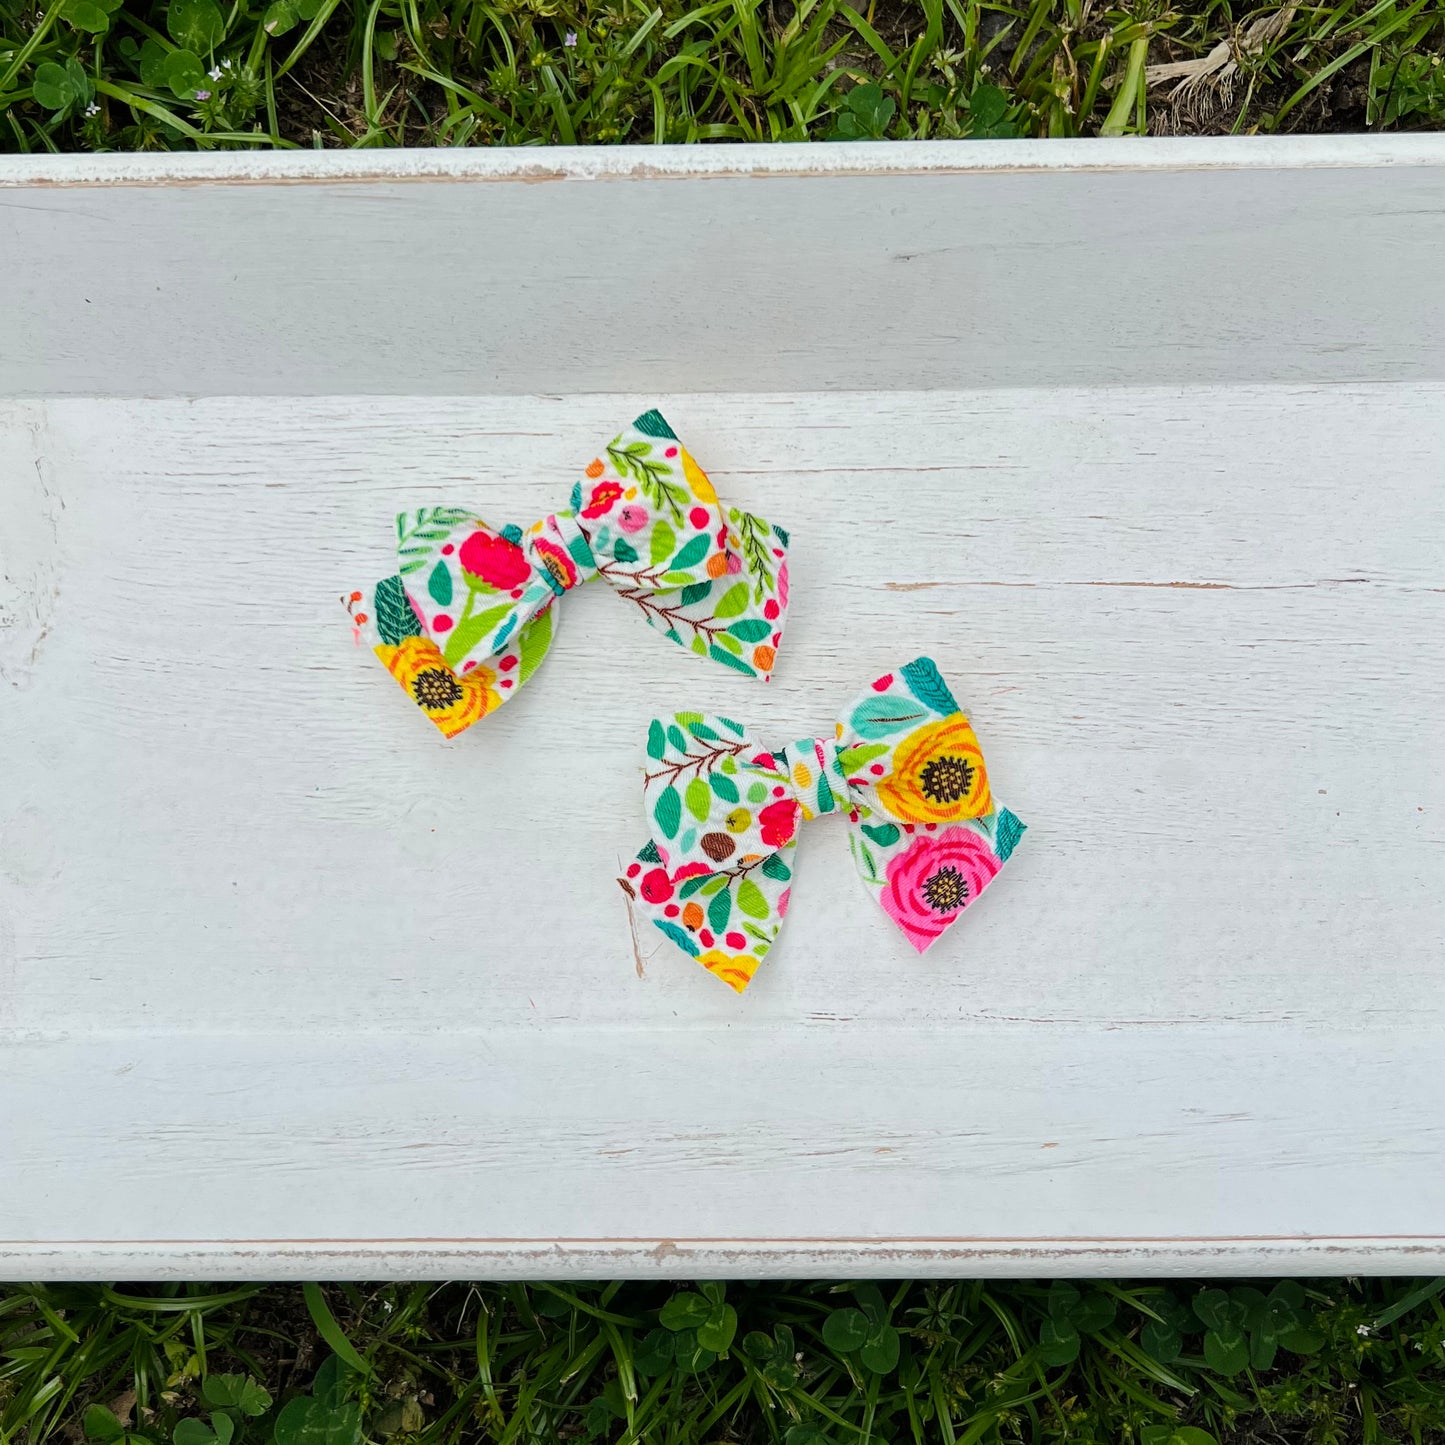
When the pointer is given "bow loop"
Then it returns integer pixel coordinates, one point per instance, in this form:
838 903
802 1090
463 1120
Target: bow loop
904 766
472 607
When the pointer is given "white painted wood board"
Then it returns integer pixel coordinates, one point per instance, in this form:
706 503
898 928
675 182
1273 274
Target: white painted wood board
1195 1025
928 265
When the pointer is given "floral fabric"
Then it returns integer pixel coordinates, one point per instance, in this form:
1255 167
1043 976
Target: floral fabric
471 610
904 767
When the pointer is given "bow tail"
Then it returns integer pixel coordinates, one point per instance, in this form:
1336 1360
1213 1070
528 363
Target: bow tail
735 615
924 876
726 920
452 700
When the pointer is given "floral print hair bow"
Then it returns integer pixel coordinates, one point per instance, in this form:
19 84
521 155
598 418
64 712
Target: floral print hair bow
904 766
471 610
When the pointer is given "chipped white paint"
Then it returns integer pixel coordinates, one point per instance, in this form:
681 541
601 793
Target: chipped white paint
289 986
778 269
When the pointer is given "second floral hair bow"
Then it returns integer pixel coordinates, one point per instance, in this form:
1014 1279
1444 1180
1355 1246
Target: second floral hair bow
904 767
471 610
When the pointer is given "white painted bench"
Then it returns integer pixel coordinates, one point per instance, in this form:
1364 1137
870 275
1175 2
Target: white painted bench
1142 441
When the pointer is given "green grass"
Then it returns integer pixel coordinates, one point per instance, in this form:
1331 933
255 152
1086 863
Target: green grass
128 74
804 1364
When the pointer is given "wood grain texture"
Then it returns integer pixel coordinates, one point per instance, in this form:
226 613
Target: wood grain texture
747 268
248 1012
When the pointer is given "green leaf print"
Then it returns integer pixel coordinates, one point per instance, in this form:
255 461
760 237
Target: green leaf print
680 936
656 740
699 799
693 553
776 869
851 759
668 811
652 424
719 911
756 541
471 630
418 532
885 835
532 645
724 787
664 539
751 629
439 584
395 621
695 592
751 900
732 602
635 460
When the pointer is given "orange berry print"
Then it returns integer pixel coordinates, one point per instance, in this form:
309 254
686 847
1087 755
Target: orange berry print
717 564
594 468
692 915
764 657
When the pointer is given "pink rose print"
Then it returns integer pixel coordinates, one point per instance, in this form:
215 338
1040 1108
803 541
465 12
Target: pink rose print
631 519
494 560
937 877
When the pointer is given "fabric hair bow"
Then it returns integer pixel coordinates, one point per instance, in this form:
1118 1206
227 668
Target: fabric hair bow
904 766
471 610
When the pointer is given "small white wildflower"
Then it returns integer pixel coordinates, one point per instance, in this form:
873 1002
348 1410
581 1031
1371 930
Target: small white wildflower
214 72
226 63
1362 1330
92 109
570 39
203 95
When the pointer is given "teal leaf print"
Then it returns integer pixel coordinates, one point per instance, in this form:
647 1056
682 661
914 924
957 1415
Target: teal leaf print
664 539
695 592
656 740
470 631
698 799
624 551
679 936
687 840
507 629
724 787
732 602
648 853
751 900
439 584
651 424
877 717
689 886
395 621
733 727
532 646
780 534
719 911
668 811
885 835
776 869
575 502
675 737
1006 833
693 722
751 629
926 683
693 553
581 553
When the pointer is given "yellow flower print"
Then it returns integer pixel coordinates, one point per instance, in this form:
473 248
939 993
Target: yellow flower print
702 489
735 969
938 775
452 702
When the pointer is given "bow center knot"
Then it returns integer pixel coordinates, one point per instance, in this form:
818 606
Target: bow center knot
560 552
816 775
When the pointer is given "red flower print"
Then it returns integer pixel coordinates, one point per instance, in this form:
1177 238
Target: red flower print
604 494
557 561
779 822
494 560
656 886
935 879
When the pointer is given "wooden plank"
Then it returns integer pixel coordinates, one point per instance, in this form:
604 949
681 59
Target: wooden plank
1195 1025
936 265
